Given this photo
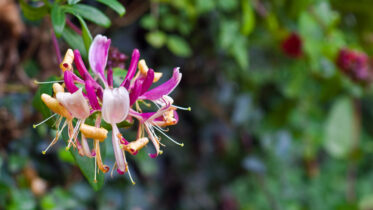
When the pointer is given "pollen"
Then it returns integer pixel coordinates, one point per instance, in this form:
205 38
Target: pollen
93 132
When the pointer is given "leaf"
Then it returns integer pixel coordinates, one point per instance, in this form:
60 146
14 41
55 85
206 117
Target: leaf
90 13
87 165
74 41
148 22
157 39
73 1
58 19
33 13
248 18
178 46
86 35
341 130
115 5
38 104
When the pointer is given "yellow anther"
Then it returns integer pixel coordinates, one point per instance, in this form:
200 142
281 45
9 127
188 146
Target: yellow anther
157 76
67 63
55 106
144 70
135 146
143 67
93 132
57 88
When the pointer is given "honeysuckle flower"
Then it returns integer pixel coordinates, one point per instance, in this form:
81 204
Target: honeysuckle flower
95 94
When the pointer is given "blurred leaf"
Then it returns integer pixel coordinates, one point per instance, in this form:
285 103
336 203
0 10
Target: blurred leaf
86 35
248 17
65 156
21 199
341 129
58 19
148 22
157 39
118 75
87 165
33 13
240 52
115 5
178 46
90 13
74 40
73 1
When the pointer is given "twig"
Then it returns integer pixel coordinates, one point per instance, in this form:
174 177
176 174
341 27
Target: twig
73 27
56 46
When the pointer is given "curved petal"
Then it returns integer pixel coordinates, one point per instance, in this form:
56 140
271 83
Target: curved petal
135 92
75 103
148 81
163 89
80 66
69 82
91 94
132 69
98 55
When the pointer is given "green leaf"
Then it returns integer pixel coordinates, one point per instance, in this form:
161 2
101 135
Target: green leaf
39 104
87 165
157 38
73 1
33 13
86 35
74 40
248 18
341 129
148 22
178 46
90 13
115 5
58 19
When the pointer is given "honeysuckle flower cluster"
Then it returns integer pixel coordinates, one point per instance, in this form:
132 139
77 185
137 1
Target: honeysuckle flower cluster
88 94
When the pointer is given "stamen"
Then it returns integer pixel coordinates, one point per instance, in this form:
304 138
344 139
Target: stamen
75 133
55 139
53 115
183 108
112 170
128 170
180 144
163 129
47 82
95 177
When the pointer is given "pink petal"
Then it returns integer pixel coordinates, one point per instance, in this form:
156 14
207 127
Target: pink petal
132 69
69 82
91 94
119 158
80 66
148 81
163 89
109 75
98 55
135 92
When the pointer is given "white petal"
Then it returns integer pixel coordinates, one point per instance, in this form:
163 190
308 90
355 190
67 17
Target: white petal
75 103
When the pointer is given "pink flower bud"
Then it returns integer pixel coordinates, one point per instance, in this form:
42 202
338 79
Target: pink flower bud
116 104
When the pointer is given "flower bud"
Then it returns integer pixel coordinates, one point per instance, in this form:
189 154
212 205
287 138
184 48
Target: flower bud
115 106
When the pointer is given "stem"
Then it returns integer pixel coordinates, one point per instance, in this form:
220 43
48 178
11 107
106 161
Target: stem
56 46
73 27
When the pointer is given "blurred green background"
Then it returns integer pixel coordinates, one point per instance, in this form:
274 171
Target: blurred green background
281 97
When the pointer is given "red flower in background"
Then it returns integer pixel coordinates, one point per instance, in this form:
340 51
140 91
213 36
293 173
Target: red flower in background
354 64
292 45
